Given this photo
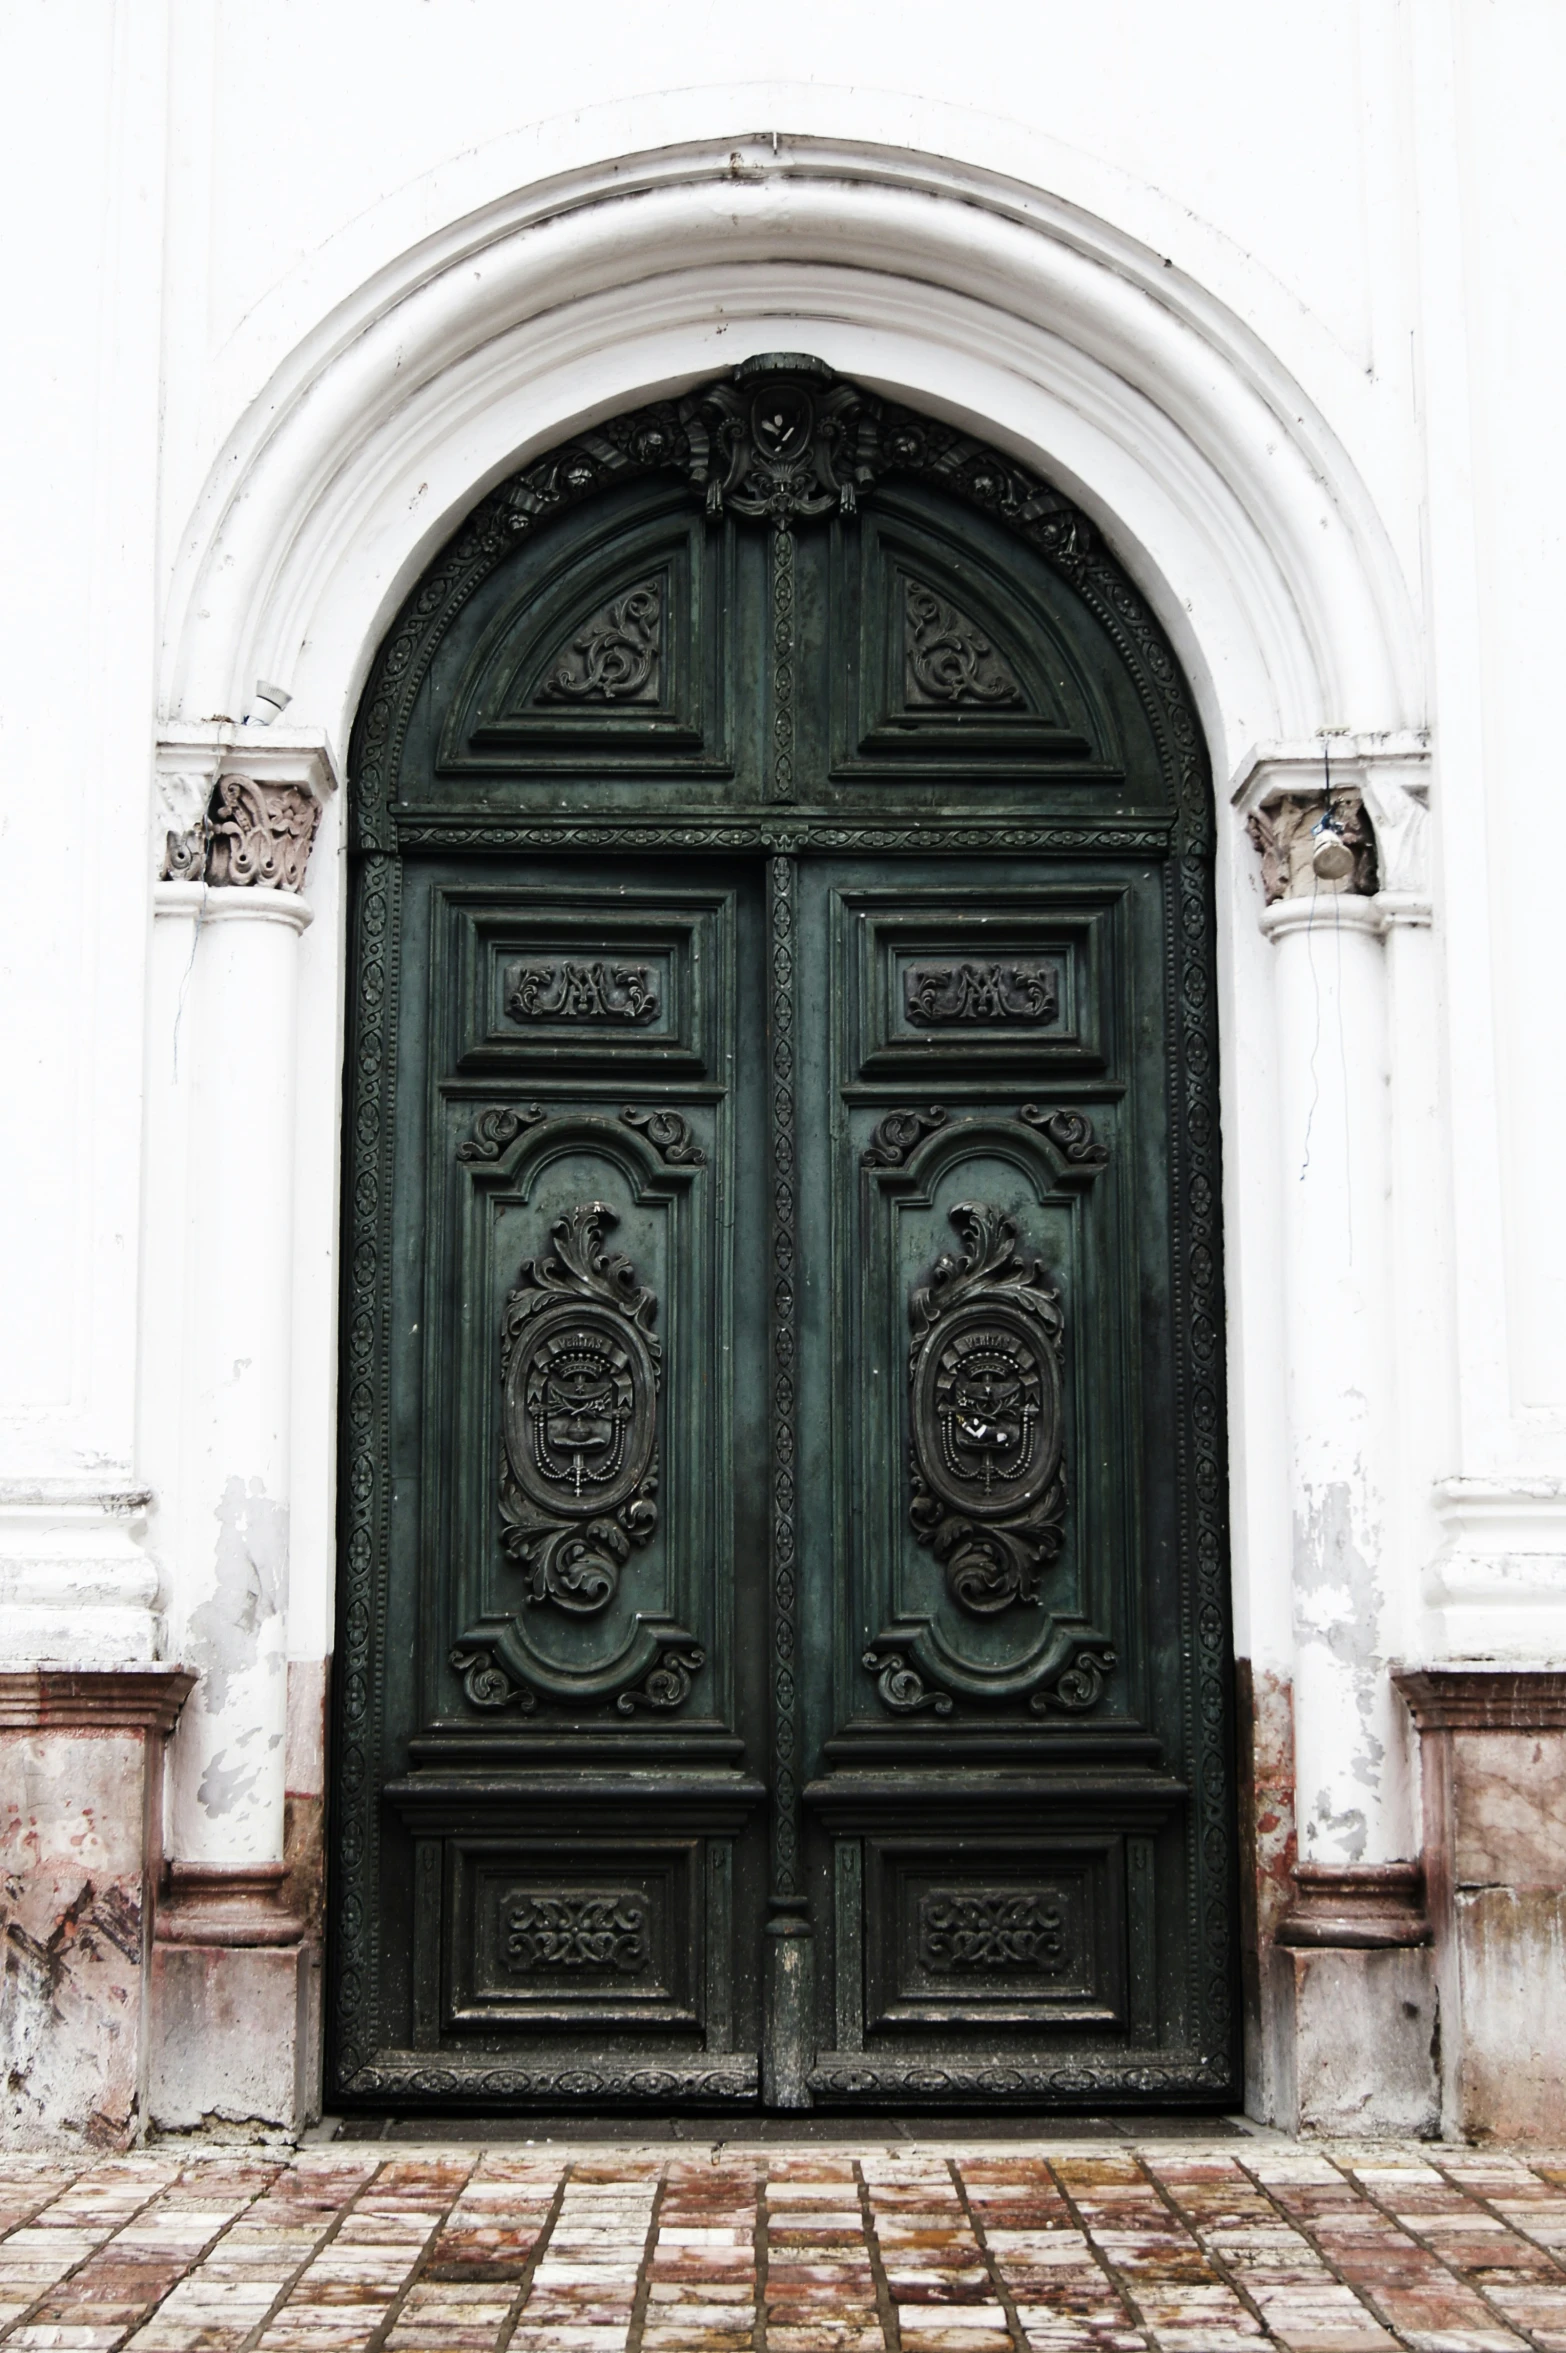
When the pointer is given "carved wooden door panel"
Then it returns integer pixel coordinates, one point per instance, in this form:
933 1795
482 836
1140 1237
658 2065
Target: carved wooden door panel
783 1649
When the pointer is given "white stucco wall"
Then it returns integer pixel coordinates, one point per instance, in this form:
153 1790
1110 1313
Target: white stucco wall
1273 291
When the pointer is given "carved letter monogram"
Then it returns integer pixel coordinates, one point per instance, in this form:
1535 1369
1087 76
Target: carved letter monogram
989 1483
579 1369
938 993
576 1929
581 992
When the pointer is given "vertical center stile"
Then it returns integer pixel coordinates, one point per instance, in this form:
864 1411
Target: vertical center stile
786 2055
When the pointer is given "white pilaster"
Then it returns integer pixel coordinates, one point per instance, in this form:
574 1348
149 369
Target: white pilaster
1361 1194
231 1598
217 1378
1352 1804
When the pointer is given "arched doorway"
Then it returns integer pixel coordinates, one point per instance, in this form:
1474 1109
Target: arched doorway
783 1651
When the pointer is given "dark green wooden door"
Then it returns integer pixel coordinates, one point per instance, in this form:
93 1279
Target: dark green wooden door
783 1652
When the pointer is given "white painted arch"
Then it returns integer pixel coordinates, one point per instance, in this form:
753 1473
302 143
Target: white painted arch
1224 491
1011 313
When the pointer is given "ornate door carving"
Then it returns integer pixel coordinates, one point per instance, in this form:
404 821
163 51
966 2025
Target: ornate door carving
783 1646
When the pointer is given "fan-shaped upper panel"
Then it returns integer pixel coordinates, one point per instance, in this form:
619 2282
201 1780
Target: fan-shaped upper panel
613 650
962 663
676 615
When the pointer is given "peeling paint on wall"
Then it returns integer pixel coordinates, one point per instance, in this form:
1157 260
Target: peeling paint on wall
249 1590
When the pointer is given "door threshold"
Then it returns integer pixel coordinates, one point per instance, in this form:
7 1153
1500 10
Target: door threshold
947 2128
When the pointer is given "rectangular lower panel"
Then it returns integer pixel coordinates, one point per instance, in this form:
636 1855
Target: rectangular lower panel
1007 1933
607 1936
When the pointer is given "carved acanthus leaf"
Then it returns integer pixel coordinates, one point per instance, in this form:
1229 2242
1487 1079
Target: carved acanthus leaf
488 1685
498 1127
947 659
667 1685
1071 1133
1077 1686
254 835
259 835
185 855
901 1686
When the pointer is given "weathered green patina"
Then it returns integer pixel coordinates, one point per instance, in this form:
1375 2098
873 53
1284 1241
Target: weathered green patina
783 1650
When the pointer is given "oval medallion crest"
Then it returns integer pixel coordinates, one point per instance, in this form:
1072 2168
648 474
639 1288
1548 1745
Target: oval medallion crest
987 1443
987 1404
580 1367
579 1412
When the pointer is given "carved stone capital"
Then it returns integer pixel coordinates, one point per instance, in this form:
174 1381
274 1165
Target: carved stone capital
239 806
1373 791
1314 842
260 835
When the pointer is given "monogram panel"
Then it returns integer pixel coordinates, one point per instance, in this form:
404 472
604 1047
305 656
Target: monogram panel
994 1934
608 1936
979 979
551 981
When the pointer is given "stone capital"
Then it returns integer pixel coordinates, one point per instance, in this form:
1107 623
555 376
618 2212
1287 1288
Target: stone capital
239 806
1345 813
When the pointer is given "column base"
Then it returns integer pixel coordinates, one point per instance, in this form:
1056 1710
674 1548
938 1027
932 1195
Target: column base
226 1904
1364 1906
81 1763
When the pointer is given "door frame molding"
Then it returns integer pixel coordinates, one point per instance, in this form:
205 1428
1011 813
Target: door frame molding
1224 493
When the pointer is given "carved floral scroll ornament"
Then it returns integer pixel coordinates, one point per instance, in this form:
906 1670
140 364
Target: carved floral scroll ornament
947 659
615 658
984 1375
580 1367
255 835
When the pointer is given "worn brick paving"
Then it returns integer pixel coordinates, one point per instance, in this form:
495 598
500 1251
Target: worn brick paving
1076 2248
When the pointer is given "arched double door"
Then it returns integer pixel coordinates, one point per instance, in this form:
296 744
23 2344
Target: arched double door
783 1650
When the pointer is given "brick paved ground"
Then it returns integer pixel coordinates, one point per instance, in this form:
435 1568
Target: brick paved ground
1066 2249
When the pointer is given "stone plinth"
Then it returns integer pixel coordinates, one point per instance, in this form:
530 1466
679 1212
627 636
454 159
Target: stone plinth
1353 2017
81 1767
1493 1748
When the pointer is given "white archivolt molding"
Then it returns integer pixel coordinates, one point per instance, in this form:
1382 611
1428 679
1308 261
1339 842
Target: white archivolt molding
1009 312
1012 314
